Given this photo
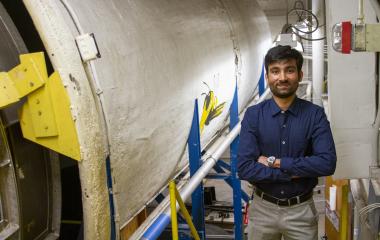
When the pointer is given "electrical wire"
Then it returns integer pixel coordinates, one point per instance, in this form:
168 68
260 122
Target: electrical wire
363 212
369 208
297 8
312 14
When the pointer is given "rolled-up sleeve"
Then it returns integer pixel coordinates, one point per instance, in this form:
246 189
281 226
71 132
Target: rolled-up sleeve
322 161
248 167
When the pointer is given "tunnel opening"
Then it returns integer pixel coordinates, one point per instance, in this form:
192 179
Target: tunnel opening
41 196
71 223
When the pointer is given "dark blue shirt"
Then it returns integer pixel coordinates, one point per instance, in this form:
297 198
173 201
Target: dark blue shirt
300 136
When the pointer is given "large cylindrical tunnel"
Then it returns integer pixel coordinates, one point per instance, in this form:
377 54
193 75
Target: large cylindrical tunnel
133 106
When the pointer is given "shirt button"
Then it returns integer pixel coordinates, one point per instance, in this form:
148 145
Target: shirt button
283 142
282 111
282 192
284 126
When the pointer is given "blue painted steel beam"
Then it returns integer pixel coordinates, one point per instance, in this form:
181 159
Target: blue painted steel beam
224 165
228 180
110 197
218 176
194 146
262 81
236 186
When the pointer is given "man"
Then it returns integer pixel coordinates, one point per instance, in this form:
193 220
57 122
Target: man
285 145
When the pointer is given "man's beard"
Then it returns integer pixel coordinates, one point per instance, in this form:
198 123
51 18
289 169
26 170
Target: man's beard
278 94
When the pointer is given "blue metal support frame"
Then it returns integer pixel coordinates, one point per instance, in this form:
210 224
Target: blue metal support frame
262 81
110 196
224 165
228 180
194 146
236 185
224 171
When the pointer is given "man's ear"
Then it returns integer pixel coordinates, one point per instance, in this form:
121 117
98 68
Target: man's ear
266 77
300 76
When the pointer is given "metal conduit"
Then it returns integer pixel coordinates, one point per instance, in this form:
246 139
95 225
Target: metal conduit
209 160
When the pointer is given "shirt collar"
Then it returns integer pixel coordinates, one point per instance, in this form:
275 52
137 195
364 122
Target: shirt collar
293 109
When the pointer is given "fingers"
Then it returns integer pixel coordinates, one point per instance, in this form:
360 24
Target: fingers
263 160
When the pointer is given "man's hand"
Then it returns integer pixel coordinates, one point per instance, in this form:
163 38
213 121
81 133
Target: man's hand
263 160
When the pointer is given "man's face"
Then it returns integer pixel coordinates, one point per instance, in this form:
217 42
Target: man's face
283 77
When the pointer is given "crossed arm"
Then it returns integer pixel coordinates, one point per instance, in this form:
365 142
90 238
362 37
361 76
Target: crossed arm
253 167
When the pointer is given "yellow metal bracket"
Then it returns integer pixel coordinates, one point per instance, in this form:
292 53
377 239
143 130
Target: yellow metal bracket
45 117
174 195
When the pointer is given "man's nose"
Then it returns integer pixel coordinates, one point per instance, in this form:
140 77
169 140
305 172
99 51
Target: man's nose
282 76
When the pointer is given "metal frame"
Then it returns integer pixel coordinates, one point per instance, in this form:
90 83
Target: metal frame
209 159
194 146
236 184
110 197
262 81
221 168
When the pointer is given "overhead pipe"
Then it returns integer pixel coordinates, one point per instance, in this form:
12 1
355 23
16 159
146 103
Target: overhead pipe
209 160
318 55
360 12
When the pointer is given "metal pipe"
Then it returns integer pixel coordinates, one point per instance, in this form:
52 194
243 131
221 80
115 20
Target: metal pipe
210 159
318 56
311 58
361 12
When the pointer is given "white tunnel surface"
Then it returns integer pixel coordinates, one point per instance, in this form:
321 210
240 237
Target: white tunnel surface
157 58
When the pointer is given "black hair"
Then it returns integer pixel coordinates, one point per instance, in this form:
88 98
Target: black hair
283 52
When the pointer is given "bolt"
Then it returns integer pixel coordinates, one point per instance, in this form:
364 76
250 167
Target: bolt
39 113
31 84
38 101
46 127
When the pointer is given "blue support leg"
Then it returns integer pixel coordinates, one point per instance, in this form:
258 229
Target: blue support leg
194 145
228 180
110 196
262 82
238 216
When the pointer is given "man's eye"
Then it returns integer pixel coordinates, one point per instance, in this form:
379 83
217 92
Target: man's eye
275 72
